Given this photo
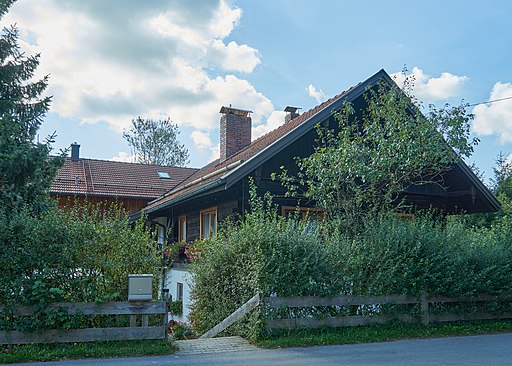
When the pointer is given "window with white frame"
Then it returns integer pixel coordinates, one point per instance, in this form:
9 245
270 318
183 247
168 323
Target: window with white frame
182 228
208 222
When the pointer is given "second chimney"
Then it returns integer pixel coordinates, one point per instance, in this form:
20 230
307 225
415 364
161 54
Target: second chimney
75 152
235 131
291 113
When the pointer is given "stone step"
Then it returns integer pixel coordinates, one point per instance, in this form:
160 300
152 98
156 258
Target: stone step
214 345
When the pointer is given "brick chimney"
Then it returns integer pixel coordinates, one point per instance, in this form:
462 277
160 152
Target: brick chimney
291 113
235 131
75 152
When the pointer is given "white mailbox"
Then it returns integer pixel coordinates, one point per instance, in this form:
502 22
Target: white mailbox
140 287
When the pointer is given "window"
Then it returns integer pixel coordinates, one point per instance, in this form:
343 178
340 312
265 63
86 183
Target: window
208 222
314 215
163 175
182 228
179 291
160 234
302 212
179 295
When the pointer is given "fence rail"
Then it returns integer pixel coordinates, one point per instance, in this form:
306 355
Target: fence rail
423 301
134 309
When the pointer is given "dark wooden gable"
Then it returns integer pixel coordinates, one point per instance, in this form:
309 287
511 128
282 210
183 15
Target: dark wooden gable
229 190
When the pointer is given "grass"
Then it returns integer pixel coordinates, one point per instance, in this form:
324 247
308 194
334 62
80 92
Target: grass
380 333
61 351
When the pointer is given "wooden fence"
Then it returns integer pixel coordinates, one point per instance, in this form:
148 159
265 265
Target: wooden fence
134 332
378 317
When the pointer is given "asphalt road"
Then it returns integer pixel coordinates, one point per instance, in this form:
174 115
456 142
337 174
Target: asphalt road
474 350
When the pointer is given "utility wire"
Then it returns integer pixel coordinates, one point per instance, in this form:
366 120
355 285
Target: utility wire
490 101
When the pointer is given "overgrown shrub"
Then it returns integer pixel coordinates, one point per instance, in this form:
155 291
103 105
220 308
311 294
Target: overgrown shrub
75 254
393 255
263 253
275 256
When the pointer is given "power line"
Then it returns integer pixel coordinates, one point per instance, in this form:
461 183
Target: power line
490 101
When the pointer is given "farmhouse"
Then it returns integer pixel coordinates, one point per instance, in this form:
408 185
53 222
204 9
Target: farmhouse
130 185
193 208
189 203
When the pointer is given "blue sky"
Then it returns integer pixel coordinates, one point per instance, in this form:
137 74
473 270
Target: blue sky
111 61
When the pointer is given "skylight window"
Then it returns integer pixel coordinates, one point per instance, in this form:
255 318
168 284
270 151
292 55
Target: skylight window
163 175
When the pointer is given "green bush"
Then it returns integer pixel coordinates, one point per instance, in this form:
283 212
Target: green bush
393 255
266 254
74 254
275 256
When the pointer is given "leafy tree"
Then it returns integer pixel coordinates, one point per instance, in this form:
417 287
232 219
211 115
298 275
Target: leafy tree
155 142
373 157
26 168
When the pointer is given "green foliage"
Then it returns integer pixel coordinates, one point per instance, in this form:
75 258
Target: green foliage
376 154
266 254
502 181
155 142
393 255
5 5
276 256
77 254
382 333
501 187
26 169
61 351
180 330
176 307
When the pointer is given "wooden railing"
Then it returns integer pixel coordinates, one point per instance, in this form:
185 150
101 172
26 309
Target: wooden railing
378 317
233 317
134 332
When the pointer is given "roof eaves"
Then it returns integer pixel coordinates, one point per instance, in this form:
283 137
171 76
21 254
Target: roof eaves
179 188
480 186
186 196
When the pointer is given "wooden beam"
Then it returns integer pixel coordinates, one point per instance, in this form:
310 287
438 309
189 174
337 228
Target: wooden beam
234 317
346 321
307 301
449 317
106 308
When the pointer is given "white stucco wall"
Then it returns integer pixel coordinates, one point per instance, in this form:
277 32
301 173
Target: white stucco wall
173 277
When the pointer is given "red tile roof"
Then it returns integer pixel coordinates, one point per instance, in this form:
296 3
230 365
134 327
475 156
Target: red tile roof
116 179
200 178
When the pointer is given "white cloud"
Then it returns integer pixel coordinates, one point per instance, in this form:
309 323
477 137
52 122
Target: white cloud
123 157
315 93
215 153
275 120
495 118
235 57
433 89
201 139
154 59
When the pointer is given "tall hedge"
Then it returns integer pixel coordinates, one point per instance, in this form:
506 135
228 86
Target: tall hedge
275 256
262 253
74 254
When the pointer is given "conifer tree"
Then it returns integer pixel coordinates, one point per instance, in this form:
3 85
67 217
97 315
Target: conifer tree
26 167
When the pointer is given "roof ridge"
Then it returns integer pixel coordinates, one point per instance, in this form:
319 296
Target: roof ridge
312 111
130 163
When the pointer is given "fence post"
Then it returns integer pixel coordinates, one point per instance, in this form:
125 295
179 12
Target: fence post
133 320
425 318
165 316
